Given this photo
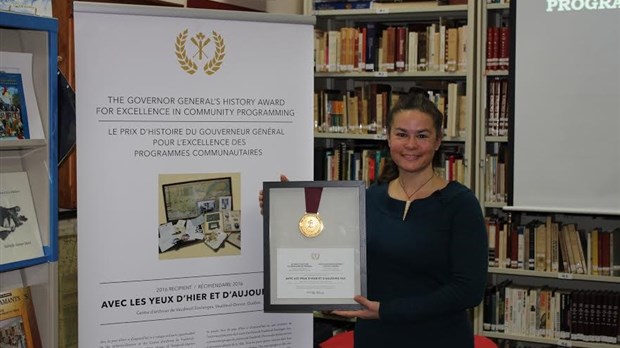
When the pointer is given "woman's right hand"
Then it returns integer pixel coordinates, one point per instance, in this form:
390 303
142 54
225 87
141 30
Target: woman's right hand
283 178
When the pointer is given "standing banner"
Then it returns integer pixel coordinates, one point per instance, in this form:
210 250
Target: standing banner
181 115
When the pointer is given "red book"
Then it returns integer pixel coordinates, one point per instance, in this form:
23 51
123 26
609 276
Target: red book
401 48
371 168
391 49
492 48
504 48
450 169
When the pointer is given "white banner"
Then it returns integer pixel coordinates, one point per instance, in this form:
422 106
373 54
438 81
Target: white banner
181 115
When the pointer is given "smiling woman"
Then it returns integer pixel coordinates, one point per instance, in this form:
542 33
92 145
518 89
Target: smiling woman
417 222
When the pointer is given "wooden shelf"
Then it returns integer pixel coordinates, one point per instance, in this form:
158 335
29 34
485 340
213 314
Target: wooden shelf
554 275
391 75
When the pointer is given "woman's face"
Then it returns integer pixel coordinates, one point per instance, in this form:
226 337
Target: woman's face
413 140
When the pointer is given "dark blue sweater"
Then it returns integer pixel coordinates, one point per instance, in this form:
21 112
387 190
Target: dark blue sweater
426 271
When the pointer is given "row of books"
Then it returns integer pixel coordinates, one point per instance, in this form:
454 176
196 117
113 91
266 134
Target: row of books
374 47
450 163
368 4
342 4
346 162
498 107
553 247
364 110
496 178
572 315
498 48
454 168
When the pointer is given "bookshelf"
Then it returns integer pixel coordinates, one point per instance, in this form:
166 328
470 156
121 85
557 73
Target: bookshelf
367 133
586 291
354 89
492 105
37 36
590 284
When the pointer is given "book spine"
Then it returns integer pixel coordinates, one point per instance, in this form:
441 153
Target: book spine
491 48
371 46
422 51
503 55
401 46
614 247
491 234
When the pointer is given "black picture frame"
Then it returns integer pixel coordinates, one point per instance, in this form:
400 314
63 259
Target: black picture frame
342 242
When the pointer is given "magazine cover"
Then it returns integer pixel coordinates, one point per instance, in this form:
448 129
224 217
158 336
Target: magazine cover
18 324
20 238
13 116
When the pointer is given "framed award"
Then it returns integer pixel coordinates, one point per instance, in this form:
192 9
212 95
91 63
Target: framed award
314 245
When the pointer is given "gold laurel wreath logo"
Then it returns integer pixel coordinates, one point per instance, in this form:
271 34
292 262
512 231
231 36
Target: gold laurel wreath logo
186 63
215 63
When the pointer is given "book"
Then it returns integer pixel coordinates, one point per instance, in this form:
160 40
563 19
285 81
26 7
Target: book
502 107
575 240
565 264
320 45
372 45
503 48
604 254
614 244
18 320
487 309
593 251
13 112
341 5
401 48
492 48
452 49
462 49
333 50
21 63
491 225
20 238
452 125
422 62
540 247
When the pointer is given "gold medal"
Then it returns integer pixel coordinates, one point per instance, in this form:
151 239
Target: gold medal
311 225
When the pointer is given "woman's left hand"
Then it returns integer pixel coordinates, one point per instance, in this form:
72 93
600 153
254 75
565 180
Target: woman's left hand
370 311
